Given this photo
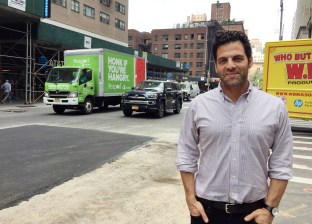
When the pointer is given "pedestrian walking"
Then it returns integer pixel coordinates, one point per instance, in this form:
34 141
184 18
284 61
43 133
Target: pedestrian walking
6 87
235 146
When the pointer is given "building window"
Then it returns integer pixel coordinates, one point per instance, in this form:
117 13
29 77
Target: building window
156 37
177 46
185 46
75 6
155 47
120 8
185 36
192 36
178 37
185 55
120 24
88 11
105 2
165 46
177 55
200 36
200 45
104 18
165 38
165 55
191 46
199 64
60 2
191 55
191 64
200 55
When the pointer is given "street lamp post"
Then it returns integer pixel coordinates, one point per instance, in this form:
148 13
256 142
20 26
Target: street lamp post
281 22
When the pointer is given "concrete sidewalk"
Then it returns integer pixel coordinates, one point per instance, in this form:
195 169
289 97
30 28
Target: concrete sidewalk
18 106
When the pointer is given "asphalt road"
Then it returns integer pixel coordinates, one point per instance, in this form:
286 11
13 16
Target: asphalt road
35 158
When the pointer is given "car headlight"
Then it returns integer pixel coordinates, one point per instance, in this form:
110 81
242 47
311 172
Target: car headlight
151 95
72 95
125 94
46 94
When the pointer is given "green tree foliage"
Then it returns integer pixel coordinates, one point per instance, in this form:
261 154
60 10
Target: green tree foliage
257 79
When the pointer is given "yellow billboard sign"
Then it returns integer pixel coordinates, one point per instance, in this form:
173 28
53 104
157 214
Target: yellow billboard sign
288 75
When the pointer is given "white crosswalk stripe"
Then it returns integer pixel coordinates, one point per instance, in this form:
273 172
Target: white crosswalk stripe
302 156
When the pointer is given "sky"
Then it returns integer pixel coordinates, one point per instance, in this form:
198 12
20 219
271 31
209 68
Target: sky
261 17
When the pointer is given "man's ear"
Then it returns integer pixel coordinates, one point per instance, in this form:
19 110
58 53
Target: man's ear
250 62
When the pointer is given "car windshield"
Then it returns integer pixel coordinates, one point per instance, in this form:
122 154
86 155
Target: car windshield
63 75
150 86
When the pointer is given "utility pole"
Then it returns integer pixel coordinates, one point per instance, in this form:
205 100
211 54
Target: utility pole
281 21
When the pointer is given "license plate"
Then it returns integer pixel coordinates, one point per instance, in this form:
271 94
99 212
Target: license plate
57 100
134 107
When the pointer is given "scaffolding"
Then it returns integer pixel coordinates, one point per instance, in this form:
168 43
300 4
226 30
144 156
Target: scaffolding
24 61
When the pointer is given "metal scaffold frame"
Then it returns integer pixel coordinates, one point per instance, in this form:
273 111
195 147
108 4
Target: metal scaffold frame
29 83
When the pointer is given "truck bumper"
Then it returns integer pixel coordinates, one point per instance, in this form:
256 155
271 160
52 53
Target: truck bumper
61 101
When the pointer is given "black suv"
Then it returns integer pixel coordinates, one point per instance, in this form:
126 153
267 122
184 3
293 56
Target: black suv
153 96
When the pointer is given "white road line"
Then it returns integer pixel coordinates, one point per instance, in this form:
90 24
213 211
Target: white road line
300 142
301 167
302 137
301 180
302 148
303 157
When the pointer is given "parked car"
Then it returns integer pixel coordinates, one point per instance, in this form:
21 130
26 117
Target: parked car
189 90
153 96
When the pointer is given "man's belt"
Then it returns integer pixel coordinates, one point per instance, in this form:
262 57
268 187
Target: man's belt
233 208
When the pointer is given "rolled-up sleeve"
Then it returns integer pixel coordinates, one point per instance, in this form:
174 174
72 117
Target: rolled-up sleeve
188 151
281 159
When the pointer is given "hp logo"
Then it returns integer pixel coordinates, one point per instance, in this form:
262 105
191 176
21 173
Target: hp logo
298 103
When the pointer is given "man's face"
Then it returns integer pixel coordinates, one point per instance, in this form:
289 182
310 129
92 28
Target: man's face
232 64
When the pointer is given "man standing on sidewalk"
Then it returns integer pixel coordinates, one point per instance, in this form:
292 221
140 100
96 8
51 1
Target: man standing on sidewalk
6 90
234 139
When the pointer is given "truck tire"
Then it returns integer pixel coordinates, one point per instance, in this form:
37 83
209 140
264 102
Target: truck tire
87 106
127 113
178 107
161 110
58 109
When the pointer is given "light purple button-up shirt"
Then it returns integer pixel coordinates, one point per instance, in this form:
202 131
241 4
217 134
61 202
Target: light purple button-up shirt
234 147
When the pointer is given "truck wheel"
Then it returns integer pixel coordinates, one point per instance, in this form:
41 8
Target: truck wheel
178 107
161 110
127 113
87 107
58 109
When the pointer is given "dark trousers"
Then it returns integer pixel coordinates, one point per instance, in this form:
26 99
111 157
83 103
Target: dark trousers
218 216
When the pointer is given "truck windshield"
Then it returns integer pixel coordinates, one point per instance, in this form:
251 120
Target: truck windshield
150 85
67 75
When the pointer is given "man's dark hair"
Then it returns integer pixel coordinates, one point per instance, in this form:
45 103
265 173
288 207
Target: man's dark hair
224 37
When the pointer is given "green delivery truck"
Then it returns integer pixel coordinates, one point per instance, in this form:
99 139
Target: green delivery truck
92 78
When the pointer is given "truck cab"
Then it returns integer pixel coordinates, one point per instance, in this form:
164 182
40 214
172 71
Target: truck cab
69 88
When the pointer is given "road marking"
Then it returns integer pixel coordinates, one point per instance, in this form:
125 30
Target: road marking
303 148
302 157
301 142
302 137
301 180
302 167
